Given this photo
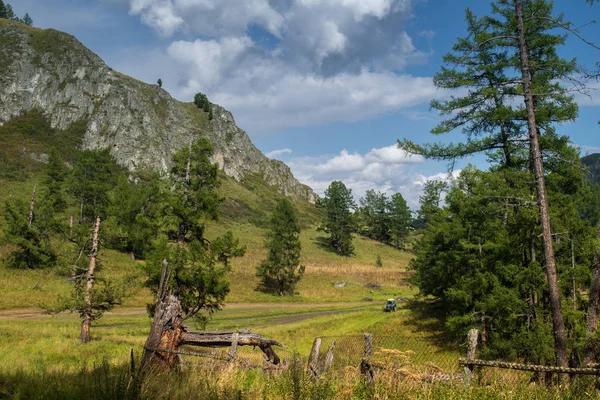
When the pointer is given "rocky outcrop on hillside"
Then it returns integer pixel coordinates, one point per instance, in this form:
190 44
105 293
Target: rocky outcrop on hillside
142 124
592 162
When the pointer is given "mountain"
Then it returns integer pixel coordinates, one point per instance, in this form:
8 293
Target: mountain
592 161
47 71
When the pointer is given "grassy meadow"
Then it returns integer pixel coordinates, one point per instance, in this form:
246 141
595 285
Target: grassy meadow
41 355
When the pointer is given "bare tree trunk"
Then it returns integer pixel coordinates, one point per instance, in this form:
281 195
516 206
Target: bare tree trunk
181 232
560 346
31 205
89 285
593 310
167 328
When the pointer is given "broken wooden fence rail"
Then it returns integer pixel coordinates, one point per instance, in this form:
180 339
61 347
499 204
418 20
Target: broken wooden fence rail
529 367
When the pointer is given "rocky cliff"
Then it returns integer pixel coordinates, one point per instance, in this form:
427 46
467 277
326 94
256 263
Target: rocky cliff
142 124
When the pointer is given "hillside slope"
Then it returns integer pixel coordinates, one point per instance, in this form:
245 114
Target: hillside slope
52 72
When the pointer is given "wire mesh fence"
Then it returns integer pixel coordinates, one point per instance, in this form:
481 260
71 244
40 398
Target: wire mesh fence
396 359
389 358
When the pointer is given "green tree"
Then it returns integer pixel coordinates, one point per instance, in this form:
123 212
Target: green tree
198 267
55 179
510 66
281 270
339 203
374 211
134 215
400 219
3 13
194 198
159 82
429 202
32 241
27 20
91 179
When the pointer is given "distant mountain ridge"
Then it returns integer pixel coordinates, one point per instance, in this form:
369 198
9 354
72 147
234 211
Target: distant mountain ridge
51 71
592 161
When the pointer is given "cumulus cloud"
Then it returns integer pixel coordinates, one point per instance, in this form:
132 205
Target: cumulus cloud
277 153
294 62
386 169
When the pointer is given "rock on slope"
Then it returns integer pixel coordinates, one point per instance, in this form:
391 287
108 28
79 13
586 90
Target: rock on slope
142 124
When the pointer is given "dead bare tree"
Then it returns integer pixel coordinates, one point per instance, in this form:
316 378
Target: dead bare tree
31 205
168 333
87 314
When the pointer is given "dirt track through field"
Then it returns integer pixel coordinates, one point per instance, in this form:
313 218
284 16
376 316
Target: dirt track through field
335 308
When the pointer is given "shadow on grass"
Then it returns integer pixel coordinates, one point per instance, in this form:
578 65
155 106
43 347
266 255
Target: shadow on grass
323 243
428 317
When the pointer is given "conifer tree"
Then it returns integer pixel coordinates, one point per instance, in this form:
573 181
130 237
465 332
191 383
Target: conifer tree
31 240
54 180
27 20
198 266
90 181
281 270
374 209
504 61
338 203
400 219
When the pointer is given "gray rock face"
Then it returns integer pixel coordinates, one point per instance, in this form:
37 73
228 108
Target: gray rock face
142 124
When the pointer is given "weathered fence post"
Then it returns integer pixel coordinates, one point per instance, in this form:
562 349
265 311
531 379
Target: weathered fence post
313 361
471 347
329 357
368 345
235 337
365 365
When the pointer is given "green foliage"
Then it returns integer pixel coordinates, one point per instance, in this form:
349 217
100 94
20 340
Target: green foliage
400 220
378 262
91 179
198 267
194 197
429 202
54 180
32 242
159 82
27 20
281 270
338 202
6 11
201 101
480 256
134 215
373 211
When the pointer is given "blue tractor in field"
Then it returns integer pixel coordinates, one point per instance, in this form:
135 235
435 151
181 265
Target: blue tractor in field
390 305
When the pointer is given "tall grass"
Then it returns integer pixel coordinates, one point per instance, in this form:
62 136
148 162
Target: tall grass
107 381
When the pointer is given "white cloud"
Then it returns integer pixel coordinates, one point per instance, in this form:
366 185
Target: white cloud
327 61
385 169
280 152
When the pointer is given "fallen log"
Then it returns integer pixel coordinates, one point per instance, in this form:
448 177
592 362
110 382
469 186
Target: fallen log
225 339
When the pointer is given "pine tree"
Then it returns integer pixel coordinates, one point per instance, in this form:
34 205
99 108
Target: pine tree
429 202
400 219
159 82
27 20
3 13
134 215
54 180
374 210
31 240
338 203
91 179
198 266
281 270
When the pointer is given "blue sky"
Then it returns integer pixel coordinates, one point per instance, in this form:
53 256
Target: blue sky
325 85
